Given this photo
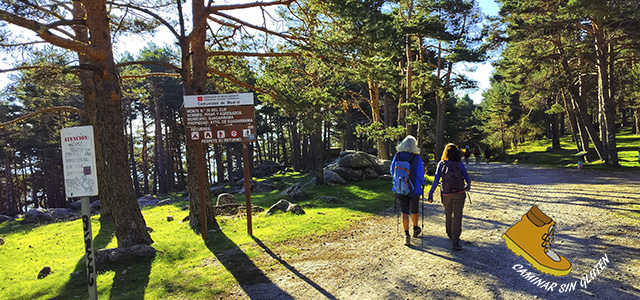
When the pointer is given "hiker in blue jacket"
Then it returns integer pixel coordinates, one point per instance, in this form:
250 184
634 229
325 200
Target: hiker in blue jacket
408 151
453 191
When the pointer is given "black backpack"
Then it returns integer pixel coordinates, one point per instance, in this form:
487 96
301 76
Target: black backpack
452 178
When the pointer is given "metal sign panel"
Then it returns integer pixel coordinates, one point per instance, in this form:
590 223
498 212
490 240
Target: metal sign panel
79 161
221 134
218 100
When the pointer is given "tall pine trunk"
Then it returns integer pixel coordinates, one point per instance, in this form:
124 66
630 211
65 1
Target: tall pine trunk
102 94
440 117
295 145
194 76
582 113
606 105
636 118
145 156
132 160
374 101
161 156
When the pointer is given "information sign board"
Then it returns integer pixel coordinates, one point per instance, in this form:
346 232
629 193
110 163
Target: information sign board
217 119
79 161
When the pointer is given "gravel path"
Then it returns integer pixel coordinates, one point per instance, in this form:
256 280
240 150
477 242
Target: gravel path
370 261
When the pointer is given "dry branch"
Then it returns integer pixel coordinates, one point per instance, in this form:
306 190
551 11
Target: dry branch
248 5
174 75
42 111
238 82
252 54
149 62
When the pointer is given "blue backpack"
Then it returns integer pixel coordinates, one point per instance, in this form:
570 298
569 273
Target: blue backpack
401 177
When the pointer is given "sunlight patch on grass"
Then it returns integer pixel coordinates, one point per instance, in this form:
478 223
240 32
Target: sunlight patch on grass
534 153
185 267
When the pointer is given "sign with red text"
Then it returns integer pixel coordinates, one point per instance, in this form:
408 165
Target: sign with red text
218 119
79 161
218 100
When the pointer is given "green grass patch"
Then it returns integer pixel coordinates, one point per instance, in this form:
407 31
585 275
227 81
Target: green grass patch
535 153
185 267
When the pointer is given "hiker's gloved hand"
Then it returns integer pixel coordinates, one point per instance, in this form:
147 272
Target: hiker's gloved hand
430 199
468 187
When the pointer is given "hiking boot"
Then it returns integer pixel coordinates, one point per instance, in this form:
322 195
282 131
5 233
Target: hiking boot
407 240
531 238
456 247
416 231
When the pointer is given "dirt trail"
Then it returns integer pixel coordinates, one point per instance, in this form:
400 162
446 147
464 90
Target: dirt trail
370 261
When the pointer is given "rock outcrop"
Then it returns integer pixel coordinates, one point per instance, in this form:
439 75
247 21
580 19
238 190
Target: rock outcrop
286 206
355 166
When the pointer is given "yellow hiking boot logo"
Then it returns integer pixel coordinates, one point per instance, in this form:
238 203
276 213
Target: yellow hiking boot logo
531 238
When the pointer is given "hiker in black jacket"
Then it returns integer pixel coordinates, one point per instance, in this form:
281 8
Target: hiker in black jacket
453 191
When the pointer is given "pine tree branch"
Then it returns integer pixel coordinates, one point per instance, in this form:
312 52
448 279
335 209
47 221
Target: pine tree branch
157 74
42 30
150 13
259 28
19 69
42 111
238 82
252 54
149 62
248 5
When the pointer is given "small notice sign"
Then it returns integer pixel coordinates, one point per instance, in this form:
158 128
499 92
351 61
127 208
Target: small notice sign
79 161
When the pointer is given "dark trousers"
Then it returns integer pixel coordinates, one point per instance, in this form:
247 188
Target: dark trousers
408 203
453 205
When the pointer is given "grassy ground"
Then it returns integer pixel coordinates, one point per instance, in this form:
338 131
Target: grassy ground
185 268
534 153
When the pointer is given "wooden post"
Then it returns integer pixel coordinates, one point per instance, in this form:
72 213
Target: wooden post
247 185
201 187
88 248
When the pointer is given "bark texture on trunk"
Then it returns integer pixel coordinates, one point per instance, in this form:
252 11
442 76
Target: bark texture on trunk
606 104
103 100
194 74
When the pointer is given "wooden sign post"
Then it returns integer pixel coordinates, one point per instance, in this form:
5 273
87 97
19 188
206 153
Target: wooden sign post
81 180
247 185
220 119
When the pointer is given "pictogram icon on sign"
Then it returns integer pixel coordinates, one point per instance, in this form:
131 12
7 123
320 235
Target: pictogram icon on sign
195 135
220 134
208 134
234 133
200 98
246 132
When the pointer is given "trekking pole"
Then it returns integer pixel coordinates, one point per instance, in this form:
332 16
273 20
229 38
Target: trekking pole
422 226
396 211
469 196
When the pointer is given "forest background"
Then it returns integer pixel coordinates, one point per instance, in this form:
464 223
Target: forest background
327 76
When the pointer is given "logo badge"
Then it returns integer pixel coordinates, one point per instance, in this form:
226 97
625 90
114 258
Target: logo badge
531 238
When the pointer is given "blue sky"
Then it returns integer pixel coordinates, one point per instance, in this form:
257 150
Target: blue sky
482 71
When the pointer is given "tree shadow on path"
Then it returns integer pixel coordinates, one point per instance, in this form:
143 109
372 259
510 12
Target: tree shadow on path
293 270
253 281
